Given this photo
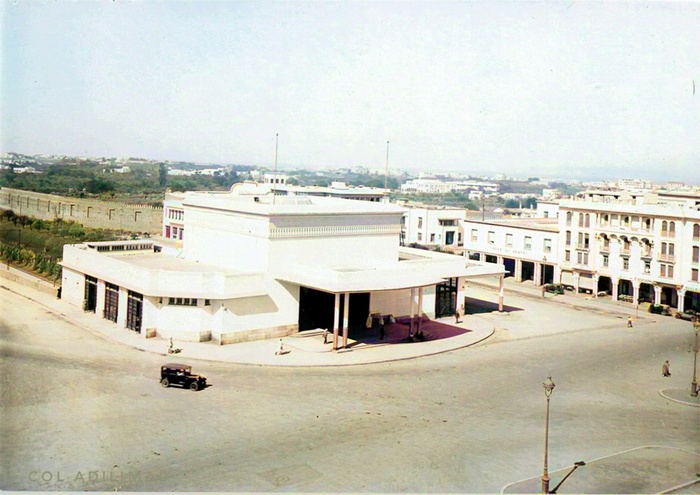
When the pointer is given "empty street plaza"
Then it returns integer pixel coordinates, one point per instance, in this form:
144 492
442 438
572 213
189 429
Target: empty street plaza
83 412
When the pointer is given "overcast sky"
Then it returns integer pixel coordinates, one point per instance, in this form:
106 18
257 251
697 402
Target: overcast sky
563 89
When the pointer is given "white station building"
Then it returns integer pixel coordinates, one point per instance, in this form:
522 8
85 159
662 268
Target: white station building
247 264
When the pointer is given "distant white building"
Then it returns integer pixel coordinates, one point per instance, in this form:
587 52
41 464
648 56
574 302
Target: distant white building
437 186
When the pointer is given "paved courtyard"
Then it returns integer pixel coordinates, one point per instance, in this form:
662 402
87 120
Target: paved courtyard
81 411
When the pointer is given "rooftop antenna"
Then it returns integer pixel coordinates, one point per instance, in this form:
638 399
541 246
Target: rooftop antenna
386 170
274 177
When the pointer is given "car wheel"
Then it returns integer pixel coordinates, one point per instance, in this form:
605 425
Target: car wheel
194 386
165 383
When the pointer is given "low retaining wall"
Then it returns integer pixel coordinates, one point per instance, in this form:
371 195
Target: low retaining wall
36 283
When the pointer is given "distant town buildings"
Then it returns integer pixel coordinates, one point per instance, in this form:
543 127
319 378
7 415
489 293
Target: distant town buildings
438 186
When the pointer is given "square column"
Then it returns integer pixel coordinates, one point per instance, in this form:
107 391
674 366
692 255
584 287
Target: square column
518 270
635 291
412 312
681 300
336 321
420 308
657 294
501 291
346 308
538 273
615 282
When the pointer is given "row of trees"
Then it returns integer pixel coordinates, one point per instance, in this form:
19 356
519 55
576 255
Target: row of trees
86 178
38 244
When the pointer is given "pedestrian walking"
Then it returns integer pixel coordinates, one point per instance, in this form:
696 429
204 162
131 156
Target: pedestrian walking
666 368
629 322
325 336
381 328
457 315
280 349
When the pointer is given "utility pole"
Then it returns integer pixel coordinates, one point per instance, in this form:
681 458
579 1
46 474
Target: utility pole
274 177
386 169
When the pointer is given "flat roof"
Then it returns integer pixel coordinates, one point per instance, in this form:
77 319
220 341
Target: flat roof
544 224
267 204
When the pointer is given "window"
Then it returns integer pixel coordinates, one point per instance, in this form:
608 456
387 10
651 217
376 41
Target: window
568 218
528 242
474 235
548 245
664 228
606 260
420 237
181 301
420 222
448 223
587 221
694 275
625 263
582 258
492 237
580 219
635 223
647 267
671 229
509 240
647 224
605 219
626 222
614 220
696 232
696 254
568 238
606 244
666 271
567 255
546 214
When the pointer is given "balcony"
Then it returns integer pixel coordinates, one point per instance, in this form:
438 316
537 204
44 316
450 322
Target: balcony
582 247
667 258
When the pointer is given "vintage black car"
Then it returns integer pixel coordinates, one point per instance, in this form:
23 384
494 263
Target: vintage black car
181 374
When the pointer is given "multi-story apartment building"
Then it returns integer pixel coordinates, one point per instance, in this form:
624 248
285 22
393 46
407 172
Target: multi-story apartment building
528 248
637 247
430 225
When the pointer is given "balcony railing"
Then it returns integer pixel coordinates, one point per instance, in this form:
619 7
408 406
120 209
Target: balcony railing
667 257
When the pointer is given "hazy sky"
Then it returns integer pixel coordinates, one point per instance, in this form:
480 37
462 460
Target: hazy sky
563 89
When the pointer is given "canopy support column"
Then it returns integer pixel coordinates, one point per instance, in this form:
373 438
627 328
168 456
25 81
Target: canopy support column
336 321
346 308
501 291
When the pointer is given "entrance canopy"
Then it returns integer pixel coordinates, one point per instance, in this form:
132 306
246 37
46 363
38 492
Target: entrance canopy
420 269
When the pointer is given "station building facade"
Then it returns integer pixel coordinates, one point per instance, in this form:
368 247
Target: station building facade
247 264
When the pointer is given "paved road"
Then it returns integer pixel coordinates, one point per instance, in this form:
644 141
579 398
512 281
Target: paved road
81 412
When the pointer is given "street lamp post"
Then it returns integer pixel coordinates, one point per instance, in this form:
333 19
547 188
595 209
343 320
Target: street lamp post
548 388
696 345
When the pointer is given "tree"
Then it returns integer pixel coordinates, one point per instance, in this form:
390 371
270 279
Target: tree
163 174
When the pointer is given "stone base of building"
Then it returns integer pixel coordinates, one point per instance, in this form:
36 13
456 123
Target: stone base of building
184 336
257 334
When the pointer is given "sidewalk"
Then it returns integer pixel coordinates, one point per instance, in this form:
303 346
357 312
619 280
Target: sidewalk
302 349
586 301
647 469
